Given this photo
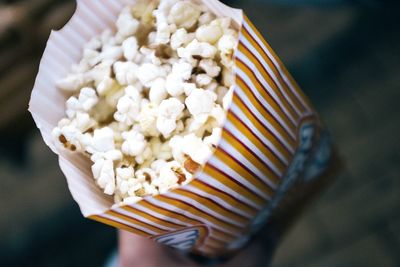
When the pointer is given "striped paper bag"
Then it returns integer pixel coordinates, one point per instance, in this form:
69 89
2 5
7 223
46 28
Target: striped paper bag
271 140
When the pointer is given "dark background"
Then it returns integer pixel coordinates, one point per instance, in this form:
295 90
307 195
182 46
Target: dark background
346 57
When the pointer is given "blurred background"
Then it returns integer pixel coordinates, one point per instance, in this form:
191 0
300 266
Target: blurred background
345 54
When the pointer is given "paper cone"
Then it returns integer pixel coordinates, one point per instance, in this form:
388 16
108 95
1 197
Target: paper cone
272 138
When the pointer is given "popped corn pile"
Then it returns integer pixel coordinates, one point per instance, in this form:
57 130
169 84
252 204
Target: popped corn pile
148 102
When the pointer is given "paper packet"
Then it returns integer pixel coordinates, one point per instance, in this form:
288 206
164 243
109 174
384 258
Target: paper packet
272 139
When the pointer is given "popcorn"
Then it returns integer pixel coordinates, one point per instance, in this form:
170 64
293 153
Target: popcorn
182 69
221 91
161 150
150 189
182 146
146 174
196 48
144 156
203 80
127 25
86 100
136 190
128 107
99 72
102 141
147 103
114 155
188 88
209 33
184 14
200 102
197 122
72 83
219 114
210 67
224 23
175 144
69 136
227 77
161 15
206 18
73 105
181 38
194 147
226 45
130 48
169 176
158 91
125 179
149 55
211 86
83 122
106 85
148 72
103 173
143 10
165 6
111 53
91 57
191 166
163 33
174 85
134 143
213 139
125 72
79 68
168 112
147 119
157 165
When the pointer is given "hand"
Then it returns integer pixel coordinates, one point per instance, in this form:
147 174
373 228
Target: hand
135 250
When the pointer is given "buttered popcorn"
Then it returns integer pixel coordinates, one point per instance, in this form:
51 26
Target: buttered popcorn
148 102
